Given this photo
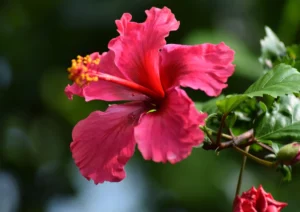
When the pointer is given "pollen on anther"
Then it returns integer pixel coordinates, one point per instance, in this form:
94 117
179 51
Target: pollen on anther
83 70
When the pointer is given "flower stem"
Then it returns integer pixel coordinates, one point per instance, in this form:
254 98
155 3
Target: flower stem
239 184
258 160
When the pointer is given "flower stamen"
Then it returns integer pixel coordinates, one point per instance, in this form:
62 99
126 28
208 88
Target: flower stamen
82 70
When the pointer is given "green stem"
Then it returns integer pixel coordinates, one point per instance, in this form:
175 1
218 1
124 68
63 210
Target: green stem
258 160
223 135
239 184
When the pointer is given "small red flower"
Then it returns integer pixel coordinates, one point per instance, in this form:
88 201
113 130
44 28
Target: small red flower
257 201
160 118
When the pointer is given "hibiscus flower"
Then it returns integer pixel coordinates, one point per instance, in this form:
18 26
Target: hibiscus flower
158 116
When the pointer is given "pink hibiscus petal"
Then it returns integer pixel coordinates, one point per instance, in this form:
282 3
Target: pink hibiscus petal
137 48
108 90
72 90
170 133
104 89
104 142
205 66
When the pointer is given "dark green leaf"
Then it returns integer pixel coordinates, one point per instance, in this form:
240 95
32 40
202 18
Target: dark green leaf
263 106
268 100
280 123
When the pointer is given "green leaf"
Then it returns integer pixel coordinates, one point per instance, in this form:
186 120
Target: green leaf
230 102
208 106
263 106
271 47
268 100
211 116
281 123
256 148
281 80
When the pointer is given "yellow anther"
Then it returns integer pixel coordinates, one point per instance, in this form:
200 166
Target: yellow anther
97 61
83 70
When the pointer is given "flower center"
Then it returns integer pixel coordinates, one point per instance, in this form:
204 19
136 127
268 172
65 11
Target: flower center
87 69
81 71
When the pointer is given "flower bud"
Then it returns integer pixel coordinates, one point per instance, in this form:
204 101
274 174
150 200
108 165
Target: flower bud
289 154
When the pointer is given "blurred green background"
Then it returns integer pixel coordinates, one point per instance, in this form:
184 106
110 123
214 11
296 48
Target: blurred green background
38 39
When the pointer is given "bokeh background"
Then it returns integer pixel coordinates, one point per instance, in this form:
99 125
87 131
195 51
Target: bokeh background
38 39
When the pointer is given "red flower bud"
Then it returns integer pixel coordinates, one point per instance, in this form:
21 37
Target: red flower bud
257 200
289 154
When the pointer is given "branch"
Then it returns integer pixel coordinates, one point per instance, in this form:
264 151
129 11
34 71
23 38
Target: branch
235 140
265 146
221 128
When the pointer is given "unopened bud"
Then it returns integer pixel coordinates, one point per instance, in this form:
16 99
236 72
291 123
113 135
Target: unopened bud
289 154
